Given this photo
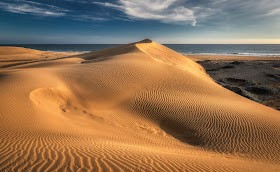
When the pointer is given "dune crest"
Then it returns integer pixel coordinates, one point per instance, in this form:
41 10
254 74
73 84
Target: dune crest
136 107
169 56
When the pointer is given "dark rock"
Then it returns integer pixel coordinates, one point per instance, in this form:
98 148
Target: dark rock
258 90
227 67
236 63
237 81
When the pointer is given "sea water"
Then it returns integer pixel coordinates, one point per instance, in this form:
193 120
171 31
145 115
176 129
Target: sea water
211 49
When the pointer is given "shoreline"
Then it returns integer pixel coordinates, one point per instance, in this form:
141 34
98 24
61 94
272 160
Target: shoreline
185 49
199 57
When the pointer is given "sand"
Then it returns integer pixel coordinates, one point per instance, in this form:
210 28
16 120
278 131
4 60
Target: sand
137 107
13 56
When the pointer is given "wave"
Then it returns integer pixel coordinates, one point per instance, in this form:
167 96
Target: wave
236 54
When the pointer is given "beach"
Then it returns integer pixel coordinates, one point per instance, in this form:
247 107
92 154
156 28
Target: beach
137 107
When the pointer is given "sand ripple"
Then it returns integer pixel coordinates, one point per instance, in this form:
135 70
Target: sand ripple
138 107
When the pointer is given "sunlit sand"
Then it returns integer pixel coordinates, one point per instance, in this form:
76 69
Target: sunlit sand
137 107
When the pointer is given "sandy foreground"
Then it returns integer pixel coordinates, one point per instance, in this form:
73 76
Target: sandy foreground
137 107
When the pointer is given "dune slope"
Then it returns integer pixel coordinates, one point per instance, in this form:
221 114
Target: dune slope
14 56
138 107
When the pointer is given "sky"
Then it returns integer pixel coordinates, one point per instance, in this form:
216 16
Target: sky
124 21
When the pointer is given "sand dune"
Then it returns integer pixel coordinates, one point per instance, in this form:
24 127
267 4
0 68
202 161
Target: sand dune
137 107
13 56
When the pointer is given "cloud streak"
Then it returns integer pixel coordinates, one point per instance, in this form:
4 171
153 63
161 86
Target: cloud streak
166 11
193 11
47 10
33 8
183 12
247 7
273 12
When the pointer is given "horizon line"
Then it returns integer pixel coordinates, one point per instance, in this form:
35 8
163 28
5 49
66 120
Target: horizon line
132 42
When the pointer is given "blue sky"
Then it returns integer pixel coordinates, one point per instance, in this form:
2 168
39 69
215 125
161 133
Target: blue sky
123 21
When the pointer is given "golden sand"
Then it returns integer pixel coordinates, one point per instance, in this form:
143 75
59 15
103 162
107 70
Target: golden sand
137 107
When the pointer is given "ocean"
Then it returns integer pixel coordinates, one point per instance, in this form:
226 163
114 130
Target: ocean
212 49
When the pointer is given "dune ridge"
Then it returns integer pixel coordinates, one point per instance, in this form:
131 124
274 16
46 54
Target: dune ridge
137 107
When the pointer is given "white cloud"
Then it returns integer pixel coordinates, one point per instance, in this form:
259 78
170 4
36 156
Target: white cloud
248 7
46 10
166 11
85 17
193 11
273 12
26 7
107 4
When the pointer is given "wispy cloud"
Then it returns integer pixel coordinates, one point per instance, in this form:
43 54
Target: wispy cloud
166 11
33 8
247 7
108 4
273 12
87 17
193 12
47 10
